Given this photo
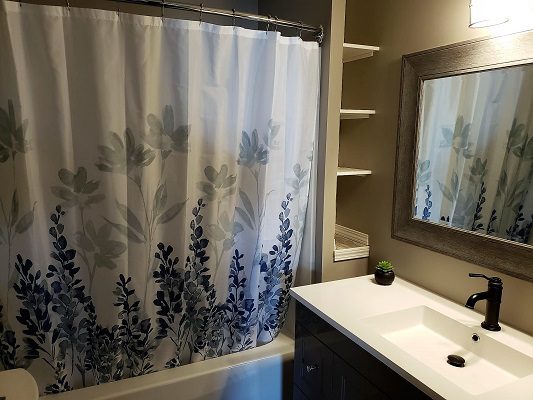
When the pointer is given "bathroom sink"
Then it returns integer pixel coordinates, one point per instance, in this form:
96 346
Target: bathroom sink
430 337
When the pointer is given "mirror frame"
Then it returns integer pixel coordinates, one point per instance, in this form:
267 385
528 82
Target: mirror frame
502 255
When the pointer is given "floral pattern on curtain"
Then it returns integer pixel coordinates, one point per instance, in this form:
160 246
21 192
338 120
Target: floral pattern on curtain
155 186
475 168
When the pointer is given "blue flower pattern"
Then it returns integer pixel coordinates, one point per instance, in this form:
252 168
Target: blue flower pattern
60 321
55 320
468 195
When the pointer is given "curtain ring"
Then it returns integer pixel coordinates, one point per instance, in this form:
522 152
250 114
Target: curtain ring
118 11
320 35
201 11
233 10
300 30
68 5
276 23
20 3
268 24
162 10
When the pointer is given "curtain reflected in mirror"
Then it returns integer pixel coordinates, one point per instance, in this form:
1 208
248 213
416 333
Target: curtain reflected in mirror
475 153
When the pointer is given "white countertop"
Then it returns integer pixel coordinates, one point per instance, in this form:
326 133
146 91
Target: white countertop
343 304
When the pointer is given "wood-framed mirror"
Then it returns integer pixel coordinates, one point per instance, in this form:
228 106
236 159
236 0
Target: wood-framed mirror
464 161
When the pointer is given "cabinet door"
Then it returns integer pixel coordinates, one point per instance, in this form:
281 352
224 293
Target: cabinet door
365 364
312 366
349 385
297 394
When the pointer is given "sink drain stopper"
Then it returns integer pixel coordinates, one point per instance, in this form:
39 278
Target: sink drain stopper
456 361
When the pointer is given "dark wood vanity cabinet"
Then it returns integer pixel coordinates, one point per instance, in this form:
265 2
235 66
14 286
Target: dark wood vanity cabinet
330 366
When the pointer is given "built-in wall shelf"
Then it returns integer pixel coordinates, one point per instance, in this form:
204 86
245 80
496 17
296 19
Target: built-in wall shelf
353 52
344 171
350 244
356 114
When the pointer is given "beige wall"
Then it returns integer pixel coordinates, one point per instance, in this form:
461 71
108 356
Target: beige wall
402 27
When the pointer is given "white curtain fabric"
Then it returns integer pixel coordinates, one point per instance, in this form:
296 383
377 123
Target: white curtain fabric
475 155
155 181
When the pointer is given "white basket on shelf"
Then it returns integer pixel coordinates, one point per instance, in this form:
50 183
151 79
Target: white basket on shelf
350 244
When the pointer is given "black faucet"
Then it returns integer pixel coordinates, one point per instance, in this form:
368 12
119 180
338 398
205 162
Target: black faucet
493 295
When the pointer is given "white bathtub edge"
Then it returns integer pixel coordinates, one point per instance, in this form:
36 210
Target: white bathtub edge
282 346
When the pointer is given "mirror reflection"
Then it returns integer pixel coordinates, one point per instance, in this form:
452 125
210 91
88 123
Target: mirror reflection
475 153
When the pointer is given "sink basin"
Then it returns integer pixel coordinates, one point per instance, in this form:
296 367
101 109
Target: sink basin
429 337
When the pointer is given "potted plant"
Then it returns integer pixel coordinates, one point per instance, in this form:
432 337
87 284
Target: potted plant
384 273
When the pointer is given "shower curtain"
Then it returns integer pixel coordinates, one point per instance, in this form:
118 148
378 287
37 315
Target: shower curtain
154 185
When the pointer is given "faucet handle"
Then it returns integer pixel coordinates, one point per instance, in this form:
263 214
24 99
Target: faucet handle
493 279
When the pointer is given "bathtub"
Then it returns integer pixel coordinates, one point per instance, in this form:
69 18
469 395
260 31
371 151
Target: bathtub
263 373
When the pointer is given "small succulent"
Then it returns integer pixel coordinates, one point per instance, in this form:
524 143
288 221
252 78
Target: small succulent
385 266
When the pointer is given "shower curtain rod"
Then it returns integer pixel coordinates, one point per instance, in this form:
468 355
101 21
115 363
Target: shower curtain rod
269 20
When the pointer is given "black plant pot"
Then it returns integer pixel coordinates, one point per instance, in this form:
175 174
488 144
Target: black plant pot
384 278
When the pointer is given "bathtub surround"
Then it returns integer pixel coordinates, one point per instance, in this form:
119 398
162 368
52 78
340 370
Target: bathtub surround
155 185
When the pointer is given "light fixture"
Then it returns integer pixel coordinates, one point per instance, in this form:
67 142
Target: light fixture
485 13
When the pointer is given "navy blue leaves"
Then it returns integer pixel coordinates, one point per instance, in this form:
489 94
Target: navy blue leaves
278 277
8 345
103 355
168 300
183 315
134 332
34 316
68 297
520 230
241 313
427 209
60 324
478 215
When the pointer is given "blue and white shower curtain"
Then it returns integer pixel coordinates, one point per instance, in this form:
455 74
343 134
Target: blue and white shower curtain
154 185
475 155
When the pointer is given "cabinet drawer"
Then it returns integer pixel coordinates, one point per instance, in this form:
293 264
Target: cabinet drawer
312 366
348 384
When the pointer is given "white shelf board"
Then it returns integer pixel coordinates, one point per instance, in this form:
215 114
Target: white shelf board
343 171
356 114
353 52
350 244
